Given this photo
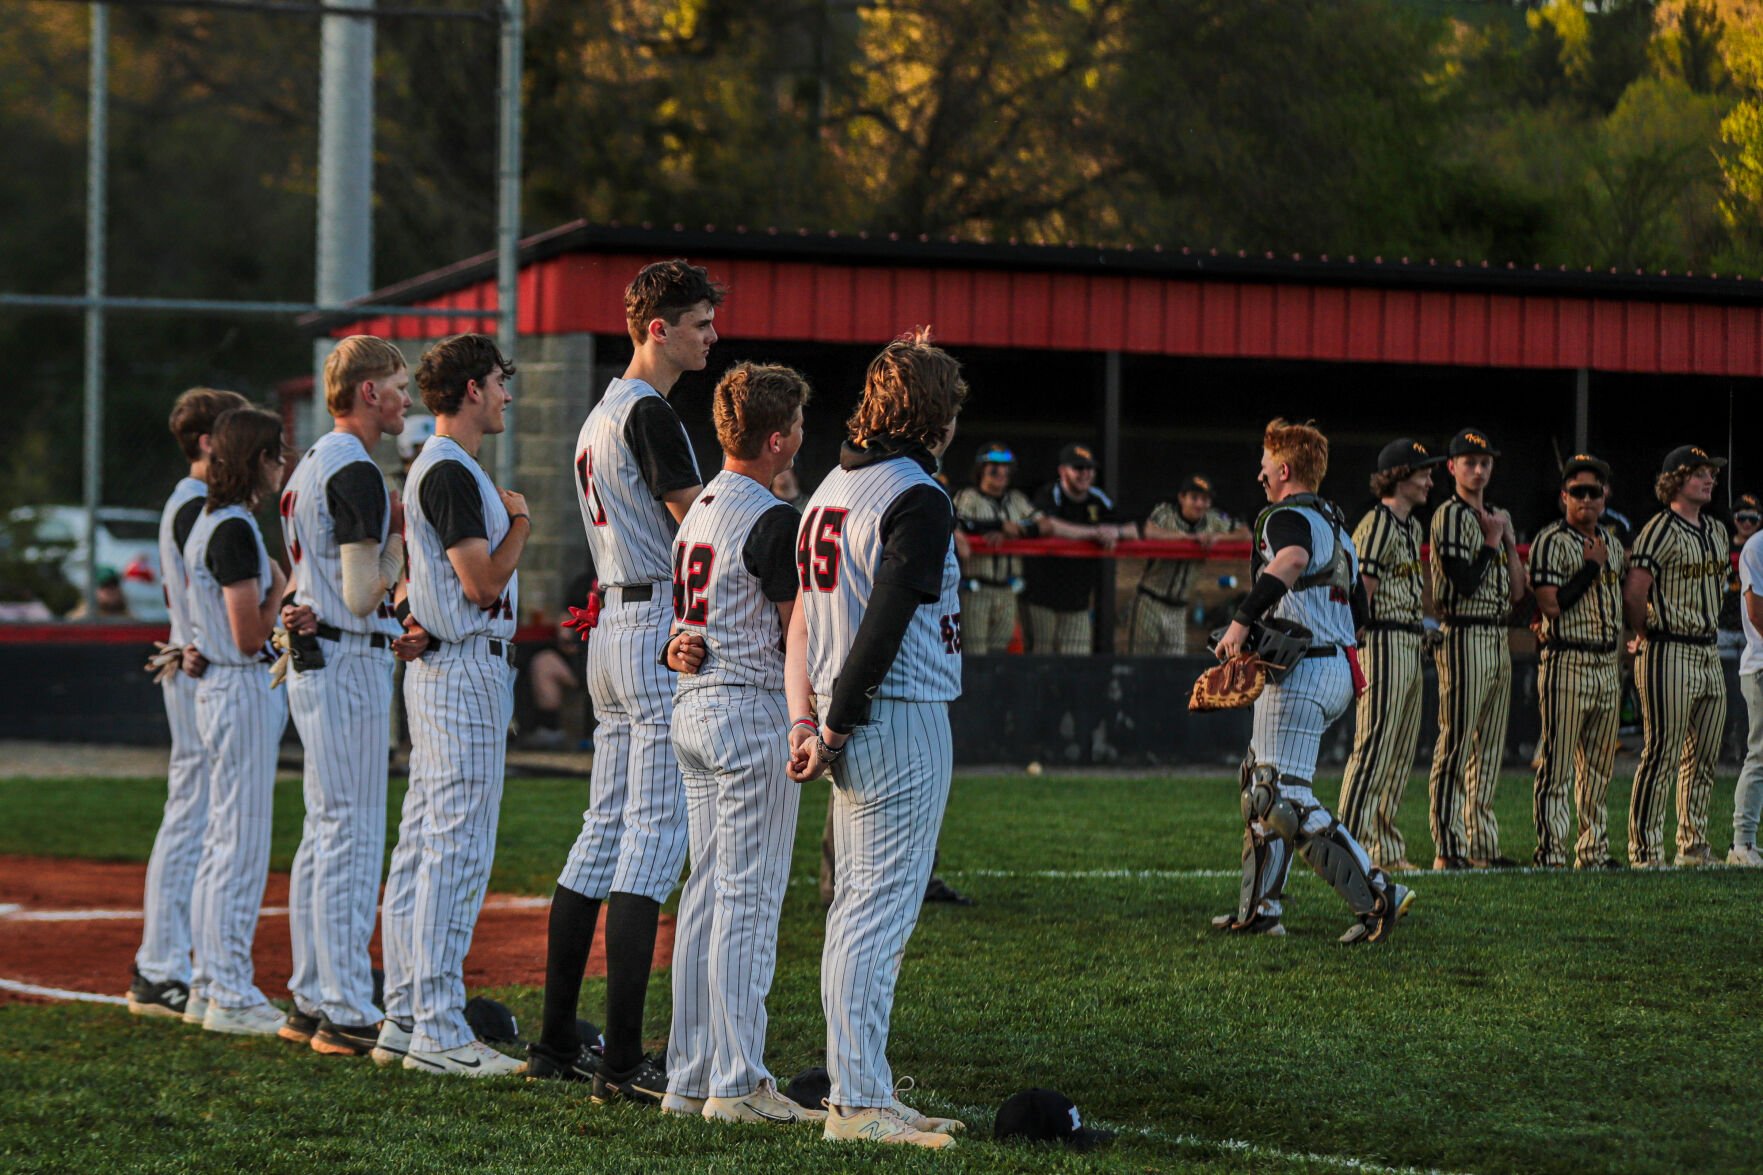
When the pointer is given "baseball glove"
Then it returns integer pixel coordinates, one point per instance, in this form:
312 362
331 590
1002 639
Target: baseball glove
164 663
1230 686
278 670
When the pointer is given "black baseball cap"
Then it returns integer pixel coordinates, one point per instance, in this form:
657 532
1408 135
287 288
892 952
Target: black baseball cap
1196 483
1045 1115
1406 452
1746 504
1471 442
1690 455
995 453
1077 456
1585 463
810 1087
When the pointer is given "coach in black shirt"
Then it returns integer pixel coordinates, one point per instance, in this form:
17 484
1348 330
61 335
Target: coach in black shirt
1060 591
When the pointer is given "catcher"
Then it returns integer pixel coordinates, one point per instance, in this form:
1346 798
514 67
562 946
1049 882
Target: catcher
1299 622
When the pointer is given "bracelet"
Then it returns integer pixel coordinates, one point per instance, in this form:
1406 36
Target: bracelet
806 722
512 517
827 754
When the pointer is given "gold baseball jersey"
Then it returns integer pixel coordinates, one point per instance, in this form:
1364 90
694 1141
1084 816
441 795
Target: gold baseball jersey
1556 556
1171 580
1688 563
975 512
1456 533
1389 550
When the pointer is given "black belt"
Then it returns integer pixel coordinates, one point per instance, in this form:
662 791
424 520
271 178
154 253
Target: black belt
1395 626
1554 646
1679 638
636 593
1321 651
331 632
1167 601
498 647
1474 621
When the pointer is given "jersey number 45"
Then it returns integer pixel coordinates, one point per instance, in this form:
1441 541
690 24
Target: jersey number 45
819 546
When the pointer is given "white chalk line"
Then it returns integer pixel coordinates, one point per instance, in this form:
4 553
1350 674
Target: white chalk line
60 993
15 913
1447 875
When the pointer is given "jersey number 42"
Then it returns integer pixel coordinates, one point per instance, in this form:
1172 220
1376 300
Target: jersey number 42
691 579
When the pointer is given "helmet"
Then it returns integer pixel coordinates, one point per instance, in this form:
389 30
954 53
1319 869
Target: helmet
417 431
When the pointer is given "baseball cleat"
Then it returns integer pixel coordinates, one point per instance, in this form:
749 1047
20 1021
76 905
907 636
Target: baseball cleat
1661 863
394 1042
938 890
920 1121
345 1040
474 1058
1377 926
1442 863
1698 858
263 1020
298 1027
195 1009
683 1105
542 1064
1492 863
166 1000
645 1084
1259 924
1744 856
764 1104
880 1124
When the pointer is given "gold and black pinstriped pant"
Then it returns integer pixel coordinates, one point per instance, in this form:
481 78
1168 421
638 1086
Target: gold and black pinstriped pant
1580 693
1683 712
1064 633
988 619
1387 730
1156 628
1475 699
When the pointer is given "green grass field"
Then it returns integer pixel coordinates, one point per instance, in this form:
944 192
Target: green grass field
1517 1022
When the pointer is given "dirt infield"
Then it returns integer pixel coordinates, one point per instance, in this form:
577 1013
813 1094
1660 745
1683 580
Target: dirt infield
74 926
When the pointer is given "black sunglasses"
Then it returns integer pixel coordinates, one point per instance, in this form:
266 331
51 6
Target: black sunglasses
1747 517
1585 491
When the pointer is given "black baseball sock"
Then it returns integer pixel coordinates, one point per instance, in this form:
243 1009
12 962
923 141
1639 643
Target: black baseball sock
630 950
568 939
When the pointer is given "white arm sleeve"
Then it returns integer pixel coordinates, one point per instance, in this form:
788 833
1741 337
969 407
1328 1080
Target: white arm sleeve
365 574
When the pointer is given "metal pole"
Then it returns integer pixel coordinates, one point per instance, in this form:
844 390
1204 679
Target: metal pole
97 149
1105 604
1582 409
345 176
508 214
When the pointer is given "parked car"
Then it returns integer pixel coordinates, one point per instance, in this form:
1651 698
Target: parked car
128 543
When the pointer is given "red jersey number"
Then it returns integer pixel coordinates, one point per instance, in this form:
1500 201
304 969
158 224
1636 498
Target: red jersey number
584 476
819 547
691 582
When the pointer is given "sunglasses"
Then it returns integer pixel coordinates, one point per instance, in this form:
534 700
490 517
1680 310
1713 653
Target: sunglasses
1747 517
1583 492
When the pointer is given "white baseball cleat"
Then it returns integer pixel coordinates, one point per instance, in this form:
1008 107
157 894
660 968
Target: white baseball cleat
474 1058
195 1009
393 1044
920 1121
880 1124
1745 856
262 1020
683 1105
764 1104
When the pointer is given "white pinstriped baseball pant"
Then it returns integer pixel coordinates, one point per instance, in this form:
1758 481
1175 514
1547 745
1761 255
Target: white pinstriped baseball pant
177 849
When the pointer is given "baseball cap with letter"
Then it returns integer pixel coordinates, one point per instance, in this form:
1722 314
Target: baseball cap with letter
1077 456
1585 463
1196 483
1045 1115
1406 453
1690 456
1747 507
1472 442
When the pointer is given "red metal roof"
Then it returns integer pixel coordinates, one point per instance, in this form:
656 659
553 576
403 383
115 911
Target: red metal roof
843 290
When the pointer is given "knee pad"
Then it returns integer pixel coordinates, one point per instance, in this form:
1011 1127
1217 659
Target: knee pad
1330 853
1268 814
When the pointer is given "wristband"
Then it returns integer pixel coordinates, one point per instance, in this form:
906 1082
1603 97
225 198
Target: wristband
512 517
402 610
808 722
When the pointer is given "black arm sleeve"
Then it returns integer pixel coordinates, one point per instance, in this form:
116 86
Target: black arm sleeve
890 612
1359 603
356 495
452 504
769 553
915 533
1465 574
658 441
1268 591
1569 593
184 521
232 553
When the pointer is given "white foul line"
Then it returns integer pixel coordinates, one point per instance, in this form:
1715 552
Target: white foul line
59 993
16 913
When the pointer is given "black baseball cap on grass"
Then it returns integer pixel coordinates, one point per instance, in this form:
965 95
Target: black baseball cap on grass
1406 452
1691 456
1045 1115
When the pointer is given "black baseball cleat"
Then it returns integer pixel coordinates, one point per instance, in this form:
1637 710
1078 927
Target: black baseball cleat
544 1064
1259 924
298 1027
645 1084
1442 863
345 1040
939 890
1392 906
157 999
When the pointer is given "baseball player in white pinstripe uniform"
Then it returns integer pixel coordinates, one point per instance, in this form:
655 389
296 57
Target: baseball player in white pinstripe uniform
465 540
636 475
874 659
734 588
344 534
1306 573
161 984
234 587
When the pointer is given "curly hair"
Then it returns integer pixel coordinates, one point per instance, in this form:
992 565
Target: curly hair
912 390
1301 446
241 436
194 414
357 358
451 364
666 290
754 400
1385 481
1669 484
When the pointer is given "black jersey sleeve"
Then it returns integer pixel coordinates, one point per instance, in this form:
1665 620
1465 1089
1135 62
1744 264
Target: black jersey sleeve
916 530
184 521
770 552
356 495
1287 528
232 553
658 442
452 504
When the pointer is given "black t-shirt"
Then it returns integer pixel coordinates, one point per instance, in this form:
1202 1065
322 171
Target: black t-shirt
1066 585
184 521
232 553
769 554
916 531
452 504
658 442
356 495
1285 528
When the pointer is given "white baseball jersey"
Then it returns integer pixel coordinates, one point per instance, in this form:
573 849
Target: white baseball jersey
210 627
632 450
1323 608
731 568
178 518
335 497
840 550
437 599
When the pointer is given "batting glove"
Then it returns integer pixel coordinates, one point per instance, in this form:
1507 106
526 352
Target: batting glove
584 620
164 663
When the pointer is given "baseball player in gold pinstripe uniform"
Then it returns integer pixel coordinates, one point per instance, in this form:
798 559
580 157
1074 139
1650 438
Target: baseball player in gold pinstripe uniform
1678 570
1577 565
1159 623
1387 724
988 512
1476 578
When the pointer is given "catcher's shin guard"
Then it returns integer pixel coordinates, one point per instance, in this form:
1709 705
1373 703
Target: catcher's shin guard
1270 822
1339 860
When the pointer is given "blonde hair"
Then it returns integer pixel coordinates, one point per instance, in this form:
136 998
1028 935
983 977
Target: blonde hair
752 401
357 358
1669 484
912 390
1301 446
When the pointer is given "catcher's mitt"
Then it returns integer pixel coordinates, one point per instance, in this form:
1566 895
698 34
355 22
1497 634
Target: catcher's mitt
1230 686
